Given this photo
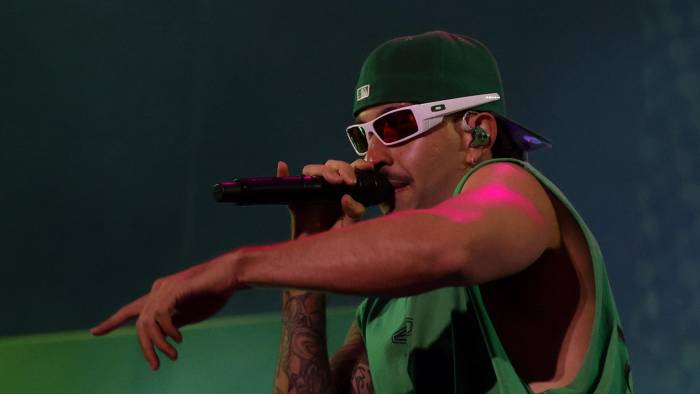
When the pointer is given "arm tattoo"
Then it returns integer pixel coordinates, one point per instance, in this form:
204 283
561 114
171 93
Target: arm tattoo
361 378
303 363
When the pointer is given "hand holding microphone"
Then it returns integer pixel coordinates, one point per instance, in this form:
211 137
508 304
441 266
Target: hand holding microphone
310 218
327 196
316 216
327 182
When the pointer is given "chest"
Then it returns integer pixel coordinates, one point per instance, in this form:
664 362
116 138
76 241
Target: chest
429 343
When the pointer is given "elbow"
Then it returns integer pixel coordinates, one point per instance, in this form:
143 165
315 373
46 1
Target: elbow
448 246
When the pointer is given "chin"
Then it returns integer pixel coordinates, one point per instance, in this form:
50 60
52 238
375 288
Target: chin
401 202
395 206
404 199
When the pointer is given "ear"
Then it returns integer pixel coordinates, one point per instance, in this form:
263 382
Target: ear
480 124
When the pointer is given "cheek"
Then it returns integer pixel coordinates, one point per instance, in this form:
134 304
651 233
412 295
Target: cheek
437 167
431 158
440 157
426 165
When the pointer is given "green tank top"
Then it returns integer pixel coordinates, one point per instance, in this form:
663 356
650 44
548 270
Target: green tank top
443 341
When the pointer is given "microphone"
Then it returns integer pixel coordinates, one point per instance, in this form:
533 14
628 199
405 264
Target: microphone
372 188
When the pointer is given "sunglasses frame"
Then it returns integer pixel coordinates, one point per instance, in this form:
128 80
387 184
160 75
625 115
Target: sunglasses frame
427 116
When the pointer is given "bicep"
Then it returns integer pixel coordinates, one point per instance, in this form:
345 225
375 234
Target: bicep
350 366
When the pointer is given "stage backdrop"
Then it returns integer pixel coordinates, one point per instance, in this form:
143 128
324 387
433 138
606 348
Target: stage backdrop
117 117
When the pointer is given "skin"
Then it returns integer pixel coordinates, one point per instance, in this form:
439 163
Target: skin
501 226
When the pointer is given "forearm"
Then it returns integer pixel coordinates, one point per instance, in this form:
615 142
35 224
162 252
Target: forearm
399 255
303 364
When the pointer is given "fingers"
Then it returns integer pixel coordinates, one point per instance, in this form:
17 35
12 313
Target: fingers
361 164
151 328
346 171
169 328
330 174
333 171
155 331
282 169
147 346
336 171
152 332
122 316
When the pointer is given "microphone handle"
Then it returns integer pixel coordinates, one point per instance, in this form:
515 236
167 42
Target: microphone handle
372 188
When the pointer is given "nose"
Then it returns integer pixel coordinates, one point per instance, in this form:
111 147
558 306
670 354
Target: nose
378 153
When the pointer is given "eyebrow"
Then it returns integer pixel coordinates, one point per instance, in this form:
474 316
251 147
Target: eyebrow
385 110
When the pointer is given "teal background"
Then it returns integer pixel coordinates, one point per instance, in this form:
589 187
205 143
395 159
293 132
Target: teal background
117 116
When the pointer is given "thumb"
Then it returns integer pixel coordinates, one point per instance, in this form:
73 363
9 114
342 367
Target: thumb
351 208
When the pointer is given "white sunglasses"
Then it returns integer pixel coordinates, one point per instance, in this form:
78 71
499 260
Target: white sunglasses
402 124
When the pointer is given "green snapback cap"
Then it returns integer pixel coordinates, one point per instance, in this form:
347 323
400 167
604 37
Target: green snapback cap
437 66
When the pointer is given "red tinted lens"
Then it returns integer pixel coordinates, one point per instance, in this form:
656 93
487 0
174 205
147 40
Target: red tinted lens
395 126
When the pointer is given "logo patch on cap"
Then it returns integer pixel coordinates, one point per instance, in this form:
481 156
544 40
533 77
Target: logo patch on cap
362 92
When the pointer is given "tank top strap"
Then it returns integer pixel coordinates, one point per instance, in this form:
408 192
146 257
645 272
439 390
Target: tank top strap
607 358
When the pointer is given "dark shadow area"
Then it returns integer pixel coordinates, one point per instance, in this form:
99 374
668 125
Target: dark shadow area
460 346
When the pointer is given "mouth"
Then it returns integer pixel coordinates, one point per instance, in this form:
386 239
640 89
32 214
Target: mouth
399 186
399 182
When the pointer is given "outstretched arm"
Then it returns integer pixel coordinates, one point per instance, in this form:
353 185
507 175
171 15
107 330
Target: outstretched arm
501 222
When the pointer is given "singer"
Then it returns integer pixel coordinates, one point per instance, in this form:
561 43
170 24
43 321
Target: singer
481 277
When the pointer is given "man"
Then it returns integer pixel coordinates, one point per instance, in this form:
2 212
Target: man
483 278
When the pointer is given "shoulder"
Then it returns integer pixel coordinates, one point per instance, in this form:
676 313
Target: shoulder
507 174
512 183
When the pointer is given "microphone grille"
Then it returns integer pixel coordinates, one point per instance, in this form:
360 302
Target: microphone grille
372 188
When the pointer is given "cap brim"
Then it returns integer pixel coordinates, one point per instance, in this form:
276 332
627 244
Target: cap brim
526 139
